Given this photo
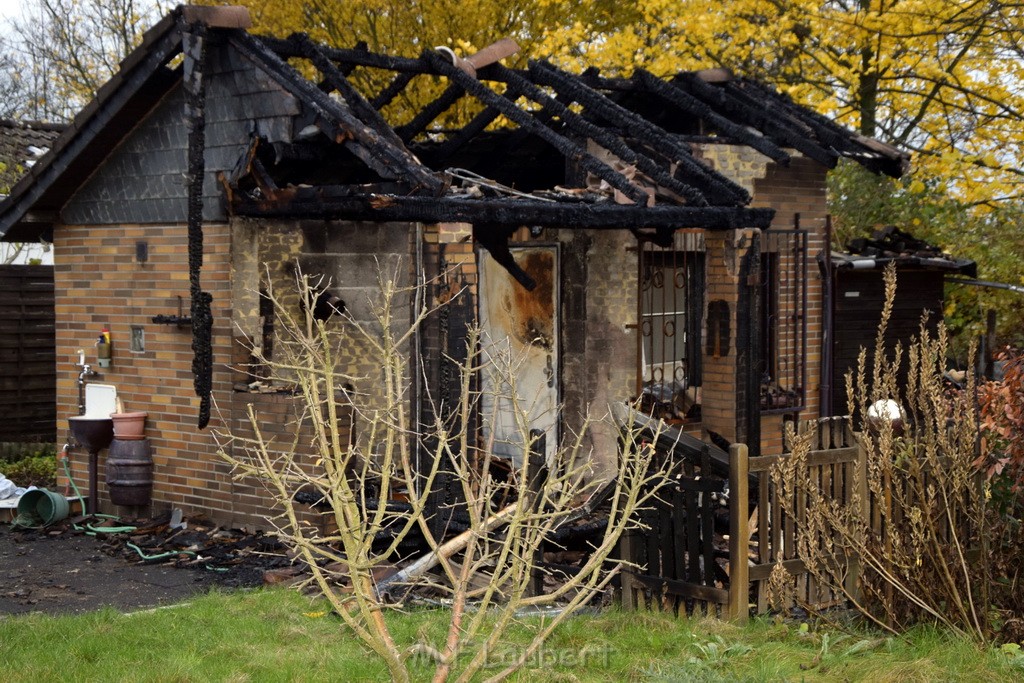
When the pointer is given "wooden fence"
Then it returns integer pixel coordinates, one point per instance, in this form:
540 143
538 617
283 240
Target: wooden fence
28 390
682 564
833 463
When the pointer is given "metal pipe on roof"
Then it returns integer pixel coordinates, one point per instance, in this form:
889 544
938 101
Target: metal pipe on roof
985 283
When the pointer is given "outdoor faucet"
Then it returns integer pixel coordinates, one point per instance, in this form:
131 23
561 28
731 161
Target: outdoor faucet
86 373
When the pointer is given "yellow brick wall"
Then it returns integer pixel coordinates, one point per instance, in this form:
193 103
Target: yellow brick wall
100 284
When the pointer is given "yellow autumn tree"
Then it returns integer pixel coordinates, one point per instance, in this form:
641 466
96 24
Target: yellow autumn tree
407 28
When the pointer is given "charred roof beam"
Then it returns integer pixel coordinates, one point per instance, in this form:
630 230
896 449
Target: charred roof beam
393 89
565 146
290 47
755 115
378 152
452 94
890 160
356 102
691 105
722 191
350 204
601 136
475 127
345 69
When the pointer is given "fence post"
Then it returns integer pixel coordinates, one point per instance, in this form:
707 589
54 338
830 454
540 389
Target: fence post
739 532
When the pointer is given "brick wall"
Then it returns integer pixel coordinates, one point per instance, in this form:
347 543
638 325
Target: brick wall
796 189
799 189
100 284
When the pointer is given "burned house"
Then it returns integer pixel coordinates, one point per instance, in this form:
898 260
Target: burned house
639 237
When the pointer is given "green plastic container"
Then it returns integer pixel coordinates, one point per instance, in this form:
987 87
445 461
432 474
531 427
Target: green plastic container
40 508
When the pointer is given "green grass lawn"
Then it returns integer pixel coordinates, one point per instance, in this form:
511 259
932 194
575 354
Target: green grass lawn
278 635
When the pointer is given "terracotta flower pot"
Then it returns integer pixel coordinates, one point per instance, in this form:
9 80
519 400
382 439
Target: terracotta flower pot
129 426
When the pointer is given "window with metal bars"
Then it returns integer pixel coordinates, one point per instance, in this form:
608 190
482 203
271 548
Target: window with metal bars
783 320
671 305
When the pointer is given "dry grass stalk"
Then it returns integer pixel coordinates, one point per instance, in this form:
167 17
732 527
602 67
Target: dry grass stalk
916 520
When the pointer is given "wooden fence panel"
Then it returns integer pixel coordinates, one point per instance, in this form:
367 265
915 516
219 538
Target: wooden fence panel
677 562
833 464
28 393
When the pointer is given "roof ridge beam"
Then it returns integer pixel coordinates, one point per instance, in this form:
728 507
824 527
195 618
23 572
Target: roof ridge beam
683 101
286 47
567 147
613 143
377 152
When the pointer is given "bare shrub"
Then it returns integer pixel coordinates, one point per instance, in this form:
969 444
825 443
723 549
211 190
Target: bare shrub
483 574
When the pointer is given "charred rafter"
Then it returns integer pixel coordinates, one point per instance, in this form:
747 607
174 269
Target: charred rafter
757 116
566 147
472 129
377 152
890 161
393 89
718 189
602 136
452 94
356 102
691 105
345 69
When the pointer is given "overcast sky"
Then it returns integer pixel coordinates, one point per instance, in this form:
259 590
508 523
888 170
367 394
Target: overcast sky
9 8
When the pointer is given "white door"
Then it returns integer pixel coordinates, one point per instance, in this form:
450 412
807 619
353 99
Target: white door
519 341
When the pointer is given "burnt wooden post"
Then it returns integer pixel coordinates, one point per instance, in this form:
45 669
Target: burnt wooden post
194 49
739 532
537 473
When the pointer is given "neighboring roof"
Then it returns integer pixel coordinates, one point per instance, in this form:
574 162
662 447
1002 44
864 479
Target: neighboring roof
22 143
634 123
892 245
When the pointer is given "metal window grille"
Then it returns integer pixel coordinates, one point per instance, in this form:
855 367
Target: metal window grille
783 320
671 304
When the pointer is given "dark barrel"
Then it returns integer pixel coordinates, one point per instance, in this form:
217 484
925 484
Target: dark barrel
130 472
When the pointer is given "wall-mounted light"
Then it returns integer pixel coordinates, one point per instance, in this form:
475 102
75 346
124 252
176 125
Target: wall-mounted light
536 230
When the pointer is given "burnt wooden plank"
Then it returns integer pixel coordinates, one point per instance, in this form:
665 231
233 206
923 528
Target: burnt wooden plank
692 537
554 107
507 212
715 188
376 151
707 538
564 145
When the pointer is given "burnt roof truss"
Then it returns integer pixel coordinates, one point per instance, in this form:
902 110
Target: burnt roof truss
381 152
